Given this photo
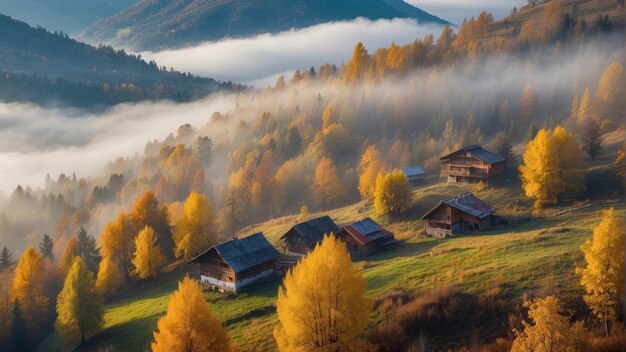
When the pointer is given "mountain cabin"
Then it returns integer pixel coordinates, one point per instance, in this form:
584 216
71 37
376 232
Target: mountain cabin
366 237
471 164
303 237
415 174
464 213
237 263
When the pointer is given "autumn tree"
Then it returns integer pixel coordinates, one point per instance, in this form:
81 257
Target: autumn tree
147 211
552 166
531 32
263 184
197 227
322 305
527 103
370 166
117 241
611 88
148 256
357 65
69 253
393 193
395 57
326 187
575 108
189 324
603 276
550 329
109 278
6 258
584 108
46 247
27 288
328 117
592 139
80 312
552 13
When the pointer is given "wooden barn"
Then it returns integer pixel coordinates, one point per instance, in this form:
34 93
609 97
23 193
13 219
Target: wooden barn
464 213
471 164
415 174
237 263
366 237
303 237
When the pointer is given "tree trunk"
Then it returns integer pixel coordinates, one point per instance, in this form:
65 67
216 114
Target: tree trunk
607 327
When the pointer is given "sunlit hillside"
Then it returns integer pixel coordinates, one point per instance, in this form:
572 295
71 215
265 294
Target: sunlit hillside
460 191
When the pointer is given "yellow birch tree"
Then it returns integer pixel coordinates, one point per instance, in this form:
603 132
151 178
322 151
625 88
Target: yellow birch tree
197 227
322 304
603 277
148 256
189 324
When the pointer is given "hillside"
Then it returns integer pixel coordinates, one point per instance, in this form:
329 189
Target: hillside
39 66
531 256
587 10
153 24
62 15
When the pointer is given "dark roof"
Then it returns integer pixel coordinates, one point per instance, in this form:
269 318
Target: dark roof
366 231
413 171
312 232
244 253
479 153
467 203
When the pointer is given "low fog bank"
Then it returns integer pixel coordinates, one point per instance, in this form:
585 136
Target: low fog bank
258 60
35 142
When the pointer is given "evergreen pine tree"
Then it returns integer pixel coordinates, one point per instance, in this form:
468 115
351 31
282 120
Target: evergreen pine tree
6 258
592 139
46 246
88 250
505 149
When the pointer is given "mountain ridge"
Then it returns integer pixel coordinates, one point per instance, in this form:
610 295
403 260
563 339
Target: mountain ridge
39 66
157 24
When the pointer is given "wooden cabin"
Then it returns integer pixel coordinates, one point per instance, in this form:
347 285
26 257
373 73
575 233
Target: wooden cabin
237 263
366 237
303 237
415 174
471 164
464 213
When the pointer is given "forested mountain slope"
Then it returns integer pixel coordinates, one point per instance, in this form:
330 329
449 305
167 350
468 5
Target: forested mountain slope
151 24
39 66
62 15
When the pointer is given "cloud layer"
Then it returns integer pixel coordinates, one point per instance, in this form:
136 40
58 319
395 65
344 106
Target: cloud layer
259 60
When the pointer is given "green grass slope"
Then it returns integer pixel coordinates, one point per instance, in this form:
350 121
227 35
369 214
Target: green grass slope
528 257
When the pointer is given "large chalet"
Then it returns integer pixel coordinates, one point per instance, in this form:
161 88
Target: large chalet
303 237
237 263
471 164
464 213
366 237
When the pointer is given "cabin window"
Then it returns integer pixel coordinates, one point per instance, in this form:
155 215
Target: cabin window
230 279
355 247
